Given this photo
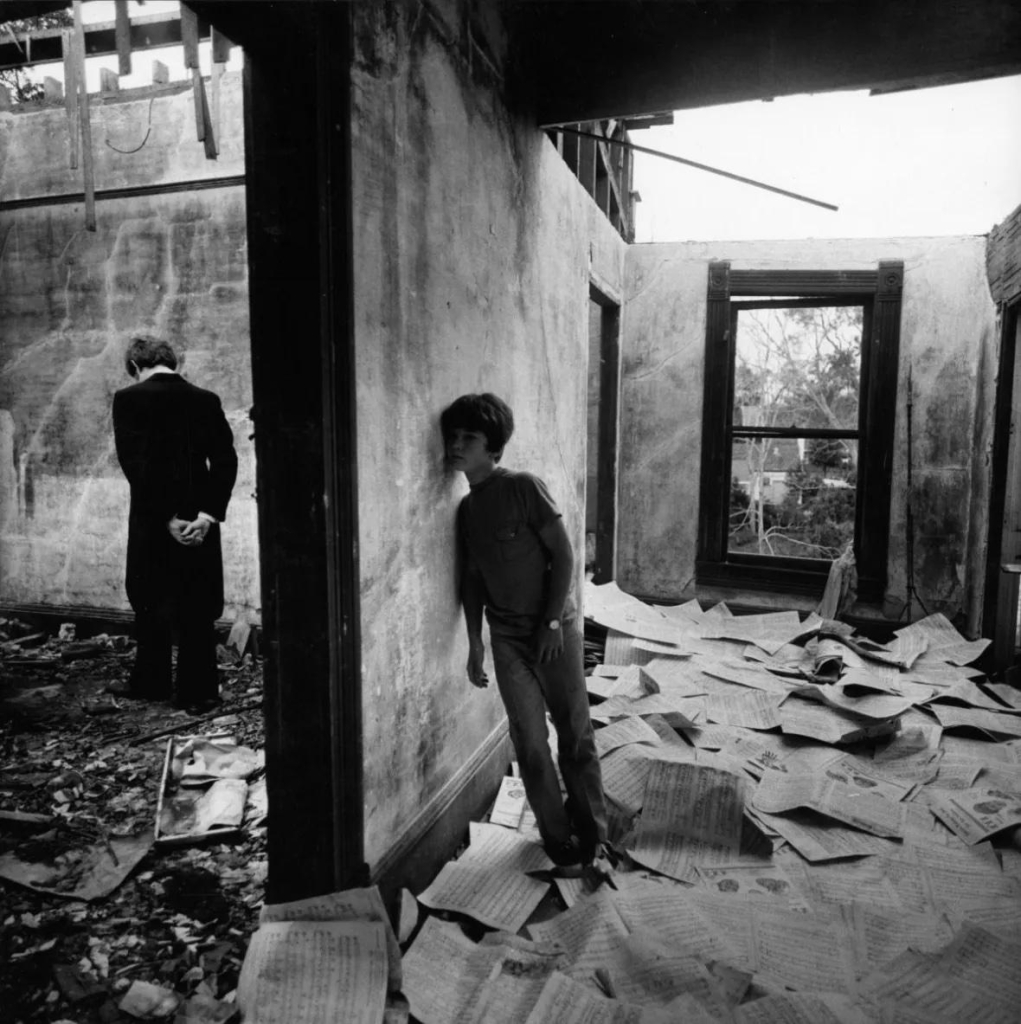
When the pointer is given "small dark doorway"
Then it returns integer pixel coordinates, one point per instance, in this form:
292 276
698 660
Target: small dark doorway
601 476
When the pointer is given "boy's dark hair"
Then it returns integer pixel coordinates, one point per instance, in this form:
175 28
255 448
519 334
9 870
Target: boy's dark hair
147 351
486 413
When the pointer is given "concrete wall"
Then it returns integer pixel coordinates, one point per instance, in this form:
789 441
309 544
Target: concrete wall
170 263
948 343
473 245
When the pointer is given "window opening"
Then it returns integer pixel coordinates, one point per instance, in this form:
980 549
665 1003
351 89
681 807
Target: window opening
798 417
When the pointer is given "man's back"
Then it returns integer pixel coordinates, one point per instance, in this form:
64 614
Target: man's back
175 447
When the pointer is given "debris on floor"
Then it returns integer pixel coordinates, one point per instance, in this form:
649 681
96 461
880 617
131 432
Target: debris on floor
811 827
96 923
203 793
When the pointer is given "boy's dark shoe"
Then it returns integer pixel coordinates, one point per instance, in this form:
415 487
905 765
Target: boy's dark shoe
563 854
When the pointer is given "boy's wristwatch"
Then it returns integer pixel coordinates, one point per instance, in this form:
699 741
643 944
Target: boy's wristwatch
553 624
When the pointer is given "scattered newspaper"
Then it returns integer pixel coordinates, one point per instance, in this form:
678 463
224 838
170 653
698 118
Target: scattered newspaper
509 808
837 870
943 641
489 882
977 718
801 951
617 681
978 813
443 970
564 1001
348 905
779 792
691 815
752 881
315 972
623 732
799 717
588 933
755 709
973 978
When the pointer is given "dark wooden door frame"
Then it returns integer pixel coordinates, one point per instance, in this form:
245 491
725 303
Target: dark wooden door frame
608 431
297 166
1000 601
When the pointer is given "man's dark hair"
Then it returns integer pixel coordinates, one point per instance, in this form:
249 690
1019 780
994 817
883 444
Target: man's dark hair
147 351
486 413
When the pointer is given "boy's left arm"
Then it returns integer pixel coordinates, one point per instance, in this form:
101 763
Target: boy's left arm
549 643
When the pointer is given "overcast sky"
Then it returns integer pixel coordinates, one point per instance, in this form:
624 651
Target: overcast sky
942 161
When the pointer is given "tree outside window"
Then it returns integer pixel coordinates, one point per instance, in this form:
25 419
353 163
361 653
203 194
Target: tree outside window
795 369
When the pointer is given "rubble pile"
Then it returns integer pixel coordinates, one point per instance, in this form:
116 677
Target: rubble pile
96 922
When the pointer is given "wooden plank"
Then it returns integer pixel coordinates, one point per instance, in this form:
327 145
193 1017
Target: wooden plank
199 94
70 95
215 84
190 37
298 237
53 90
160 73
203 124
1000 612
108 81
221 46
715 481
613 168
88 169
608 432
122 36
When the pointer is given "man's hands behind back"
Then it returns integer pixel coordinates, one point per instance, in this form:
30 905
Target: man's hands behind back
189 534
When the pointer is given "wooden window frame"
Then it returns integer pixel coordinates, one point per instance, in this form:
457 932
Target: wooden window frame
879 293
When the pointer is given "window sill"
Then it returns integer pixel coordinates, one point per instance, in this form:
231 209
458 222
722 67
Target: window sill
776 579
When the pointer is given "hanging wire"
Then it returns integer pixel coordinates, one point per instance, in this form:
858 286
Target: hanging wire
148 131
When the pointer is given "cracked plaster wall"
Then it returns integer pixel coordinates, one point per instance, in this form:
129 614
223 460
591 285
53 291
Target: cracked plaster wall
475 246
172 264
948 341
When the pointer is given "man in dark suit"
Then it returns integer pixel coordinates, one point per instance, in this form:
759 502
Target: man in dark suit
177 451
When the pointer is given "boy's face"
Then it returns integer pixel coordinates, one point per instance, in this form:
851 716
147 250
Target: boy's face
467 451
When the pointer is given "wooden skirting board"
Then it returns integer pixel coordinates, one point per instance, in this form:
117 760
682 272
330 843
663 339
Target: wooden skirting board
435 833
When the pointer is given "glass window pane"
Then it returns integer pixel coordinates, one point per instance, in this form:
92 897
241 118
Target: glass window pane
792 497
798 367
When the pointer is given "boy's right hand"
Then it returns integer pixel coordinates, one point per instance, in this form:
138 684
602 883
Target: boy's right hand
476 663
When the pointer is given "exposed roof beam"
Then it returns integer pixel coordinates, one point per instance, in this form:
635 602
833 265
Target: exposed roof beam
43 46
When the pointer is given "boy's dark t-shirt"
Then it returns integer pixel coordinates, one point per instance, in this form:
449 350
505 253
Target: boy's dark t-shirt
498 525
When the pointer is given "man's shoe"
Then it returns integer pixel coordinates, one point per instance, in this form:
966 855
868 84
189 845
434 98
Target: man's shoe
198 707
133 693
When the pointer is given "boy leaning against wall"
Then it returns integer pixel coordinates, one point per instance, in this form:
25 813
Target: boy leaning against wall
518 565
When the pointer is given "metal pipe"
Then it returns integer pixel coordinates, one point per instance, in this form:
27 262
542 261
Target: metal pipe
692 163
125 192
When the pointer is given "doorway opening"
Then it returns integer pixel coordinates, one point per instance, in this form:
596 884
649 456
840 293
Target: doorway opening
601 473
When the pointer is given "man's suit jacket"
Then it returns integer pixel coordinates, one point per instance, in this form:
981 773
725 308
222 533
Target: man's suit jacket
177 451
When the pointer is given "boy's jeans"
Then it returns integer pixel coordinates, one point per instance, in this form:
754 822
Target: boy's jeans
528 689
